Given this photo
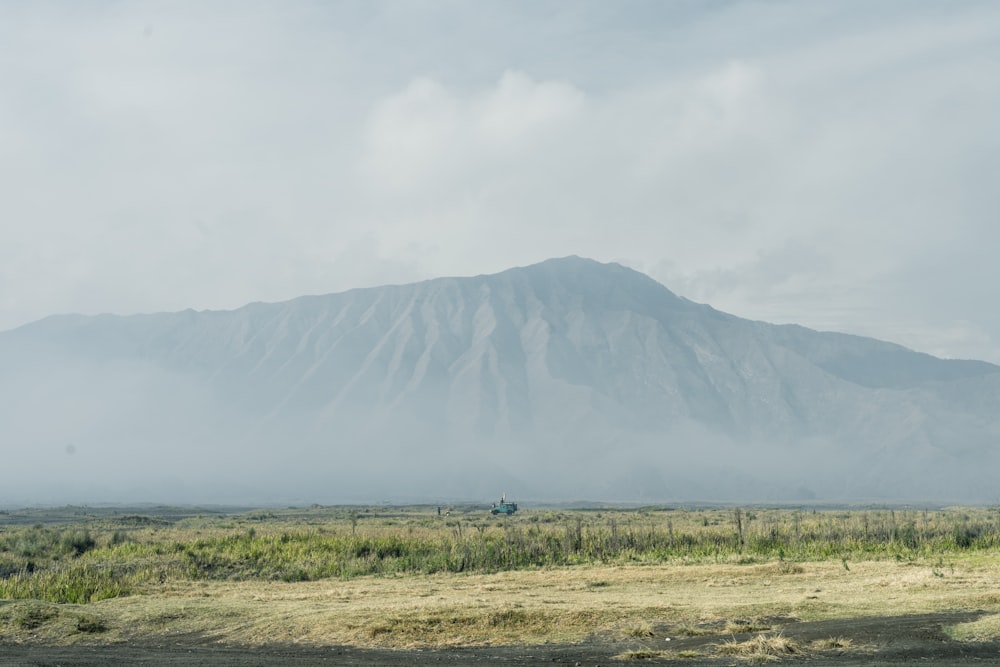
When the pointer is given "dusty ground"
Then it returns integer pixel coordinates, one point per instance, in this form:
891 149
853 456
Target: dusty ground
826 613
900 640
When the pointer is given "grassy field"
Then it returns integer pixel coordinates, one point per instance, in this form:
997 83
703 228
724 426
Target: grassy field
404 577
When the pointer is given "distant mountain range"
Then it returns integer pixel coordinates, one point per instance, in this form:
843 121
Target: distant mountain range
565 380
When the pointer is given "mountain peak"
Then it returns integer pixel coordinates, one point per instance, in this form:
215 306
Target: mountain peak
610 284
565 374
575 264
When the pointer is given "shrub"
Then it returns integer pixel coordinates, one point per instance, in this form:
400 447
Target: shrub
78 542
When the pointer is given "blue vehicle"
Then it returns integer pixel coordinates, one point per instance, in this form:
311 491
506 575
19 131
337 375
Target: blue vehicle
504 507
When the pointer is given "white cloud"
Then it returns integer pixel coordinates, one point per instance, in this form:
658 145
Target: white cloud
790 161
426 137
518 110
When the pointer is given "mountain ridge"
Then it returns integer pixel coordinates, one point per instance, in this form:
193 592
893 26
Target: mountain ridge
573 369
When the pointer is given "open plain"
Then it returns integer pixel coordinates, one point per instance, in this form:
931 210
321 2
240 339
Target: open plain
393 586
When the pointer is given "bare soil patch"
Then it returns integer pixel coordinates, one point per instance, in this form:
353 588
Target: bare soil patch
870 641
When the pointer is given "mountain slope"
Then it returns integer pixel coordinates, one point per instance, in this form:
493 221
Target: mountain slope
564 379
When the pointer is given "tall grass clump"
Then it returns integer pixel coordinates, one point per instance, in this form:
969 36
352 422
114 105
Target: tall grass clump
90 560
78 584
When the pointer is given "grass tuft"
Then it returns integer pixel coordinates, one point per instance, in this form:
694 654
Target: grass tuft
690 630
640 631
91 624
786 567
761 649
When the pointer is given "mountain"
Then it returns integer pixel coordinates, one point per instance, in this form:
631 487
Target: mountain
568 379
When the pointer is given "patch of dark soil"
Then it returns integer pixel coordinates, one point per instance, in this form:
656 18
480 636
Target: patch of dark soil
874 642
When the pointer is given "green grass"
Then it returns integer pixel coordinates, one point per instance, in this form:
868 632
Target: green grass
82 556
76 584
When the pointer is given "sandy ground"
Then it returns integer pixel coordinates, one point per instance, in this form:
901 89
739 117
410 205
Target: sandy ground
899 640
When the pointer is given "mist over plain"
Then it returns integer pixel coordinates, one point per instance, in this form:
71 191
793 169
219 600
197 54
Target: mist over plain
561 381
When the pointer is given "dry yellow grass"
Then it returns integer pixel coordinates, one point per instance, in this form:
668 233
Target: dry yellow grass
560 604
986 628
761 649
641 630
831 644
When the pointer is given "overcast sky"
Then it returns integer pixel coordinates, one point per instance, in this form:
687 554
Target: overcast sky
834 164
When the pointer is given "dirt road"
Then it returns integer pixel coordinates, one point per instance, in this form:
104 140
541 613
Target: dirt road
874 642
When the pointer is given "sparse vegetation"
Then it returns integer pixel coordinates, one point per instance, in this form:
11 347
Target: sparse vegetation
469 578
95 558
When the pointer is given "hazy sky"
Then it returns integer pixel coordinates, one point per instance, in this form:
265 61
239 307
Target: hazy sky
835 164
